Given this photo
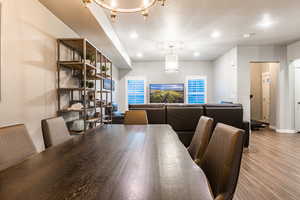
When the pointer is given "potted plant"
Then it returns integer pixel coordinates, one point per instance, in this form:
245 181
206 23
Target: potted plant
104 69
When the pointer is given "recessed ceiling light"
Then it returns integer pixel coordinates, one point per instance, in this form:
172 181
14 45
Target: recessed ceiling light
215 34
196 54
266 21
113 4
134 35
139 55
248 35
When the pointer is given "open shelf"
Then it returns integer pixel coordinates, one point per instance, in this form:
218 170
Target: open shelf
76 65
77 44
76 89
80 54
94 77
74 110
93 120
104 91
76 132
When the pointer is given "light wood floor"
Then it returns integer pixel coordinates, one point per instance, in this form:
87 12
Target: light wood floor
271 168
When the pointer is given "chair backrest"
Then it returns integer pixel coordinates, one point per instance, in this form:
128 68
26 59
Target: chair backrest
15 145
201 138
135 117
55 131
156 113
222 159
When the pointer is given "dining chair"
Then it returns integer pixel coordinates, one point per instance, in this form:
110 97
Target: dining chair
55 131
222 159
201 138
135 117
15 145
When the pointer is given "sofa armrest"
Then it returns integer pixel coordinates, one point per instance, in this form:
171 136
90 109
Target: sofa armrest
246 127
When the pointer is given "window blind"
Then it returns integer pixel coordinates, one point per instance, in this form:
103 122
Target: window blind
197 91
136 91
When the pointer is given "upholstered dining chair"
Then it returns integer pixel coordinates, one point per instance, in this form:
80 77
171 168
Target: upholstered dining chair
15 145
135 117
55 131
222 159
201 138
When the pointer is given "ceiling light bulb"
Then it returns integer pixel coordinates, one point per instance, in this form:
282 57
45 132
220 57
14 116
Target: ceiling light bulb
86 2
266 21
248 35
139 55
162 2
134 35
113 4
216 34
196 54
113 16
145 13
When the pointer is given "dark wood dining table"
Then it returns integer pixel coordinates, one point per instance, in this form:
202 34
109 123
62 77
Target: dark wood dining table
115 162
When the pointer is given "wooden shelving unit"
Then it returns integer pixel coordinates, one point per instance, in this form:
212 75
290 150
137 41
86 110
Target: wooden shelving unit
80 61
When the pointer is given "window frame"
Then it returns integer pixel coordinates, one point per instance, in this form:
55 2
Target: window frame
195 77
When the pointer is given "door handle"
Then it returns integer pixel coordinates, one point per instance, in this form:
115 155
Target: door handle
298 102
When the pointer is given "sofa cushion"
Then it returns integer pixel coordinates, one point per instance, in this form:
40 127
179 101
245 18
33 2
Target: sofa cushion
230 114
183 117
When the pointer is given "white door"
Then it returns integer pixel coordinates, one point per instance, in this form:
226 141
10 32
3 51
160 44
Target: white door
266 88
297 96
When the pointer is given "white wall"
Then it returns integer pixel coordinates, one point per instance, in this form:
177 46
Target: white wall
293 53
243 56
274 53
115 73
155 73
28 64
225 77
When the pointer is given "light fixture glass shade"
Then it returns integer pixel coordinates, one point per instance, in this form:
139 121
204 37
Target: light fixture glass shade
125 6
171 64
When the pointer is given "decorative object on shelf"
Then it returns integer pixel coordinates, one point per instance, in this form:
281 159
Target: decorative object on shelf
77 125
90 72
75 106
104 69
109 84
91 59
100 103
125 6
89 84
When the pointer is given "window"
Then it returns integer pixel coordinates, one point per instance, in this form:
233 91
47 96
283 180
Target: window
196 89
136 88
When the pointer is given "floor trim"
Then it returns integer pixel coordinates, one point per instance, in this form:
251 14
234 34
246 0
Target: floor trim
286 131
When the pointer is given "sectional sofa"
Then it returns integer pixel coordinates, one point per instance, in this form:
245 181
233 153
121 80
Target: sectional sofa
184 117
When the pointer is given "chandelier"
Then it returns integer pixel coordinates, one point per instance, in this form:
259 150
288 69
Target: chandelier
126 6
171 62
171 49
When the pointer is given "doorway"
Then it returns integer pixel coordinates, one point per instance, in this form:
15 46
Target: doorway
297 94
264 91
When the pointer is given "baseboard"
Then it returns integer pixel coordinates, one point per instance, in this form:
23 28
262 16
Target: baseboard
286 131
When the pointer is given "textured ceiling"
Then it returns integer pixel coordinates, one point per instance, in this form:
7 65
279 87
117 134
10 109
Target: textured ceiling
193 21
